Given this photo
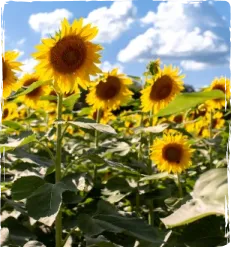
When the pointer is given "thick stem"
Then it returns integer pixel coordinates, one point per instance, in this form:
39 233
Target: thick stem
58 175
96 141
211 137
179 186
150 214
140 159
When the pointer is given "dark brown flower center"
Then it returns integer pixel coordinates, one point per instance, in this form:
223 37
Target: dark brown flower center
109 89
28 82
34 93
173 153
68 55
5 113
219 87
161 88
178 119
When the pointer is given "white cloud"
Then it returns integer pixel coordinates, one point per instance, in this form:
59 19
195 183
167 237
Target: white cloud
193 65
48 23
180 32
28 66
107 66
112 21
196 4
21 53
21 41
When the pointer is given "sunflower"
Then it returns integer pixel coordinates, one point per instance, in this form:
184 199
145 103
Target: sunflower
172 153
195 119
222 84
162 89
217 123
177 119
110 91
69 57
32 99
9 111
153 67
9 66
105 115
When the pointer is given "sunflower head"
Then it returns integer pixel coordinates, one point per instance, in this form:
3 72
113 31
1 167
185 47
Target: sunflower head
154 67
69 57
32 99
110 91
9 67
172 153
161 89
105 115
9 111
222 84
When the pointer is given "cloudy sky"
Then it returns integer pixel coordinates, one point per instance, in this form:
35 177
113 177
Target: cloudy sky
194 37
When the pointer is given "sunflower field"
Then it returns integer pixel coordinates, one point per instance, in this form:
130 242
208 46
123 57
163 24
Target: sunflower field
93 158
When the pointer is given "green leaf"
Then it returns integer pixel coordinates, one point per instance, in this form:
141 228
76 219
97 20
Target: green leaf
135 77
152 129
49 97
34 243
88 225
157 176
32 87
45 201
132 226
95 126
212 186
192 211
70 101
13 125
209 195
25 186
186 101
15 144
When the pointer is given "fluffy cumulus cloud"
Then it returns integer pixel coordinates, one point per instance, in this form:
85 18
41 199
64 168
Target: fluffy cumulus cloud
112 21
107 66
195 35
28 66
48 23
21 42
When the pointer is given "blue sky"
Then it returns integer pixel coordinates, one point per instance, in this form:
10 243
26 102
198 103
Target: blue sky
194 37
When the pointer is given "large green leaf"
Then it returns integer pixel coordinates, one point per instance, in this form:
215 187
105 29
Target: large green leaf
209 195
70 101
15 144
95 126
152 129
32 87
13 125
45 201
212 186
25 186
192 211
186 101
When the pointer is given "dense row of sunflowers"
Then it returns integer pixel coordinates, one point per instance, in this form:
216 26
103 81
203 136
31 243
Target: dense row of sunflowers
68 65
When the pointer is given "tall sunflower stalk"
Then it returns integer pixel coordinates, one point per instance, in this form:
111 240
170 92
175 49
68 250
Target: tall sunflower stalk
96 141
68 58
58 172
150 214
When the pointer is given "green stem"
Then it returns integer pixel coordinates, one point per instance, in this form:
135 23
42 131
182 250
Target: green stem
58 175
96 141
48 150
150 214
211 137
140 159
179 186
